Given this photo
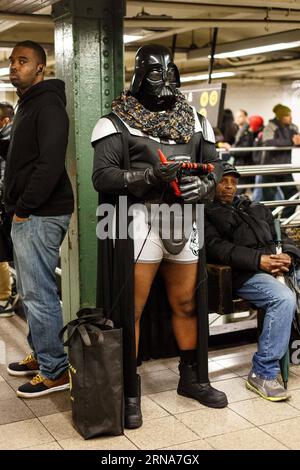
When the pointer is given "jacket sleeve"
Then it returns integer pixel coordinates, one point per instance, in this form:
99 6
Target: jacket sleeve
210 155
270 139
108 175
52 139
288 245
208 151
220 250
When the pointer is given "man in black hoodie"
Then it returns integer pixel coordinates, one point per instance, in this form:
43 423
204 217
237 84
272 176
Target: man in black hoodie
38 196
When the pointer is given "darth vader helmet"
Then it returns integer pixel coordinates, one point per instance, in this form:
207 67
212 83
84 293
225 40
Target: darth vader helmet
155 78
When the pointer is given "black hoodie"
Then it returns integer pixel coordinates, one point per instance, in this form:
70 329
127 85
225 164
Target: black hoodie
36 181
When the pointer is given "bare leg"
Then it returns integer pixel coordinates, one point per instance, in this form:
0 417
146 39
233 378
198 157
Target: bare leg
144 275
181 281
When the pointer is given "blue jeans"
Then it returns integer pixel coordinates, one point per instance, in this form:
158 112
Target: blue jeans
258 192
279 302
36 254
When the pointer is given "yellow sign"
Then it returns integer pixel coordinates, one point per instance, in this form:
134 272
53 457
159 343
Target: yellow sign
204 99
203 112
213 99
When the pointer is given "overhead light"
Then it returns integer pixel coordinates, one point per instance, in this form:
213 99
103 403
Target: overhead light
257 50
127 38
250 46
4 71
196 78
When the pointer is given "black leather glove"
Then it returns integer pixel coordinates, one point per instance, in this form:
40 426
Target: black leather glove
164 173
195 189
136 182
139 182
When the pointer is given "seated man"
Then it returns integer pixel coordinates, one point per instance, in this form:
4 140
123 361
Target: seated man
241 234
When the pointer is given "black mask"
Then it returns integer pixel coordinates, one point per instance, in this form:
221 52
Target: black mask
156 78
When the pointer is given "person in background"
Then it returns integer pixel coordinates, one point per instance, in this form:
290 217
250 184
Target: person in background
39 198
256 125
6 122
6 301
243 138
241 119
228 129
241 234
226 133
279 132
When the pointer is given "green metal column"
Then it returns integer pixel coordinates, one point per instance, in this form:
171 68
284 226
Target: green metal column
89 58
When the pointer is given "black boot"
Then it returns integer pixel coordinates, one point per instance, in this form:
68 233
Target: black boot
204 393
133 414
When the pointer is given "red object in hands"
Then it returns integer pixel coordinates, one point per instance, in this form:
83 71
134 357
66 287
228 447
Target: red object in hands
202 168
174 184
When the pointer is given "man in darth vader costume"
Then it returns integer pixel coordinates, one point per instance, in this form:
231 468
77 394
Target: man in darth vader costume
154 115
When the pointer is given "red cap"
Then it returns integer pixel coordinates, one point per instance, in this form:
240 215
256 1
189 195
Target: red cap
256 122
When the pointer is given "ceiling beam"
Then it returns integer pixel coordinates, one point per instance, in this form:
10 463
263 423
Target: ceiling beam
162 22
192 23
40 19
181 24
267 3
184 6
270 65
162 34
9 44
236 15
276 73
5 25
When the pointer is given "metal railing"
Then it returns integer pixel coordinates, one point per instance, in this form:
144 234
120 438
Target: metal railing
256 149
268 185
265 170
268 170
282 169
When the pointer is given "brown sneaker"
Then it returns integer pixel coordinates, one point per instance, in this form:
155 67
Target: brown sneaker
28 366
40 386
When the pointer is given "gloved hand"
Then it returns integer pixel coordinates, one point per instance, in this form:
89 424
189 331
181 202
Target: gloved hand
139 182
162 172
195 189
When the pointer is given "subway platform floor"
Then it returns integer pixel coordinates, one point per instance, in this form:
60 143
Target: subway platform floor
170 421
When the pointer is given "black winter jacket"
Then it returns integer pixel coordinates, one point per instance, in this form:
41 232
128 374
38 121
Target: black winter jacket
243 138
276 134
36 181
238 234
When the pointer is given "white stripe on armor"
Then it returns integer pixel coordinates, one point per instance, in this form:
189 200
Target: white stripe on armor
210 133
103 128
198 127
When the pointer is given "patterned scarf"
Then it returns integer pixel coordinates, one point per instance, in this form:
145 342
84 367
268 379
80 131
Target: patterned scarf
176 124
